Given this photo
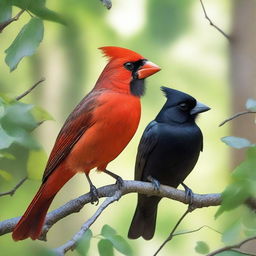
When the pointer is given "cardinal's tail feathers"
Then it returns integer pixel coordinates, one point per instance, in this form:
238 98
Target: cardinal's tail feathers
32 221
144 219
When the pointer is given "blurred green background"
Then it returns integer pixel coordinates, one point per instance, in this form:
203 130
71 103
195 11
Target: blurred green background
194 59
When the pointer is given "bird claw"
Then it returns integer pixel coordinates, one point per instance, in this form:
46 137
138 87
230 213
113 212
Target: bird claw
94 195
119 182
156 184
189 195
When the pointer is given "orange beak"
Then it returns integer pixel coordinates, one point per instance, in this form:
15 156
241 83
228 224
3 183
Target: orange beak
148 69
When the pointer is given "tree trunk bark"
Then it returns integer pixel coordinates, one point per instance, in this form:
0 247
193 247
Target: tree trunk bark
243 70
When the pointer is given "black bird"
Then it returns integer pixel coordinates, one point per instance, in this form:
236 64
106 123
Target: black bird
167 153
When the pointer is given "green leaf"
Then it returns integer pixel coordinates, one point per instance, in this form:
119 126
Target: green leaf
243 183
251 104
5 175
202 247
5 139
121 244
84 244
40 114
7 156
38 8
105 248
5 10
107 231
236 142
16 124
26 42
236 191
233 233
36 164
18 114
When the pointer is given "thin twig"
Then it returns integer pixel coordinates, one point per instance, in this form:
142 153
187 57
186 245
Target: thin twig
231 247
212 24
169 238
12 191
129 186
72 243
237 115
195 230
4 24
30 89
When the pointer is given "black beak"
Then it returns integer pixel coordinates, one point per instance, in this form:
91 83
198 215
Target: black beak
199 108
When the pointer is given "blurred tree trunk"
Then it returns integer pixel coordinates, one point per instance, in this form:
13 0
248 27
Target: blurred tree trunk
243 70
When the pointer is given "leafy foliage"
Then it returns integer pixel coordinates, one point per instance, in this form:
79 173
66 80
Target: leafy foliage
16 124
117 241
202 247
109 239
84 243
5 10
38 8
105 248
17 121
242 185
251 105
5 175
26 42
236 142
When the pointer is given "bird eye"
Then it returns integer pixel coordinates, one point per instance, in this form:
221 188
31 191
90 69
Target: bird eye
184 106
129 66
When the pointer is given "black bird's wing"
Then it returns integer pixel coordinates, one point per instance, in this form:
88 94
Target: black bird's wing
147 143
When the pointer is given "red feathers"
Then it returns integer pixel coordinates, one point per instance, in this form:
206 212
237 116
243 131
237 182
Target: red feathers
113 52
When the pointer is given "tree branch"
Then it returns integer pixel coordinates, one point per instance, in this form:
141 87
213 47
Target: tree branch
107 3
170 237
12 191
30 89
75 205
232 247
212 24
72 243
237 115
4 24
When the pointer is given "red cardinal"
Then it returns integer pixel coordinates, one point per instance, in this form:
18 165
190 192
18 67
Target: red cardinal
94 134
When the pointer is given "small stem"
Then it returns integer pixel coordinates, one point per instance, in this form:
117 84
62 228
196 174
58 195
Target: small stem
212 24
12 191
232 247
8 22
171 235
237 115
30 89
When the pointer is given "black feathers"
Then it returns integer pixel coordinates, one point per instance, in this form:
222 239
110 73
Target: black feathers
168 151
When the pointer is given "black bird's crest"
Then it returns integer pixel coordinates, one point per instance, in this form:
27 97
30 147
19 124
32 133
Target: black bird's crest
168 92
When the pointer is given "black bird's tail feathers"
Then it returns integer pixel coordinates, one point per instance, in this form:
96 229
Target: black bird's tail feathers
144 219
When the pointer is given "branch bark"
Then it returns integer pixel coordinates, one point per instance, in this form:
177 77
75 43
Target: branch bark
75 205
232 247
8 22
71 244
